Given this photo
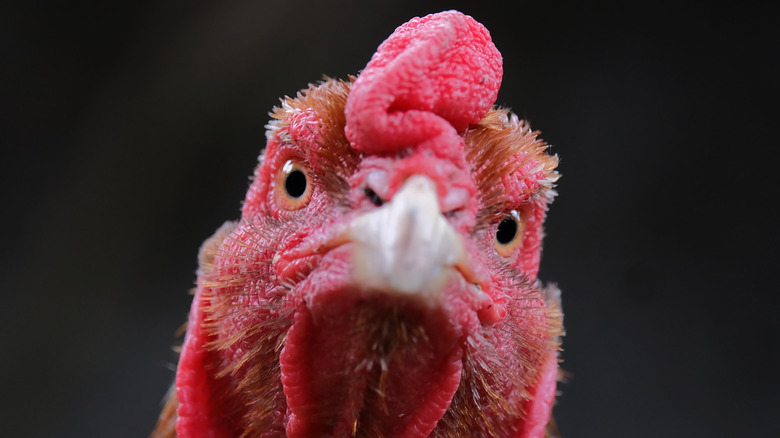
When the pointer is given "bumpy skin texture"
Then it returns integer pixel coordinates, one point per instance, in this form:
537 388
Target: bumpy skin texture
284 339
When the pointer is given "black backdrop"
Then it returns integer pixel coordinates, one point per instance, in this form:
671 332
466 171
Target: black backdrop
129 129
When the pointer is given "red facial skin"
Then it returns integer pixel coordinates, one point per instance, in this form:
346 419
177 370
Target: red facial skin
281 339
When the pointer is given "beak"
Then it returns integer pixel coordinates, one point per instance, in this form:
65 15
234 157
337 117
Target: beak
407 248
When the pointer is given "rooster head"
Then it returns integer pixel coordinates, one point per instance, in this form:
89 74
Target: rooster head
382 279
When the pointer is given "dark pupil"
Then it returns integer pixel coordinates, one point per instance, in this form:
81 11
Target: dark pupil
295 184
373 197
507 230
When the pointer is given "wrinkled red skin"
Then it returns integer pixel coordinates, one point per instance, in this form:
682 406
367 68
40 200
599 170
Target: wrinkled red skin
406 114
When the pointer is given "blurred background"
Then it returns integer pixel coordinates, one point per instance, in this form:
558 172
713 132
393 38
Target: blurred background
129 130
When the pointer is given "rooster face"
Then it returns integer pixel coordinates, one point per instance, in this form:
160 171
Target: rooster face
382 278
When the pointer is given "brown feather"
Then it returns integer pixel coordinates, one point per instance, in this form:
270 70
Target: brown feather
500 145
166 423
334 160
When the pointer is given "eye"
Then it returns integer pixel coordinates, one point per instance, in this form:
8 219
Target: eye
293 187
509 234
373 197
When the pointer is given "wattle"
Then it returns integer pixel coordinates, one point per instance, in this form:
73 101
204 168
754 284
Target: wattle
381 367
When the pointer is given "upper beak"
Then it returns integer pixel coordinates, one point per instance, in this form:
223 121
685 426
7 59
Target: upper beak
406 247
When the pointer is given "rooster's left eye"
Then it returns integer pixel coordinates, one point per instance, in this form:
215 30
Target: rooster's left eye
293 188
509 234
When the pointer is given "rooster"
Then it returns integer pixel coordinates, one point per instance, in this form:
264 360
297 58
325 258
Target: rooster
382 279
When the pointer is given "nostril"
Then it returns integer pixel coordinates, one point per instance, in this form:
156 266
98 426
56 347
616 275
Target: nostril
452 213
373 197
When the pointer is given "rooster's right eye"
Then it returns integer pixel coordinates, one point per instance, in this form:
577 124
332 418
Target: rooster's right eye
293 188
509 234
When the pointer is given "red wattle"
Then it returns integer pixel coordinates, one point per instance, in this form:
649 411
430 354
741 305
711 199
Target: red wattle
193 387
332 373
540 407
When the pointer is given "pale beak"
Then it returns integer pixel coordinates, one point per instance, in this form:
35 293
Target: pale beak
406 247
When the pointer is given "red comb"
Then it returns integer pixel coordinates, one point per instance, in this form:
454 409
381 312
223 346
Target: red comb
425 84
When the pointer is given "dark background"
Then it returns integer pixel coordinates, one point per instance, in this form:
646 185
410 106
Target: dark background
129 130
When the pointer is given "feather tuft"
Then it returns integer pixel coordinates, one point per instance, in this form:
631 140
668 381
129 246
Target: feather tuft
506 154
